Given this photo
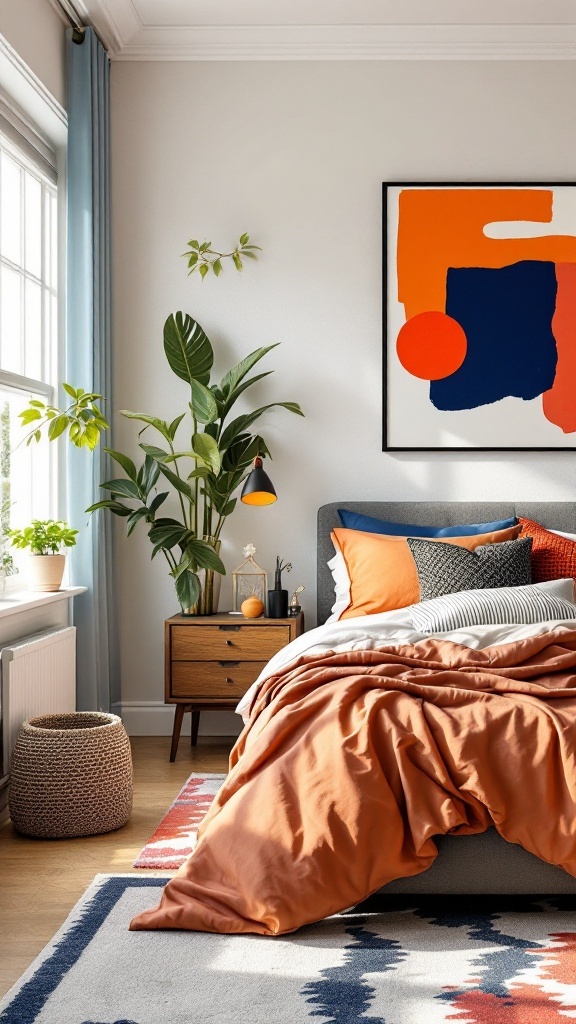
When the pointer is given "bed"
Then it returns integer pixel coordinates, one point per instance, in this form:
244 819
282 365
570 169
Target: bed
483 863
369 739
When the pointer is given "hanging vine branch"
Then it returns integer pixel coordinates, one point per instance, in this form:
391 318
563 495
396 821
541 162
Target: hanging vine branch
202 257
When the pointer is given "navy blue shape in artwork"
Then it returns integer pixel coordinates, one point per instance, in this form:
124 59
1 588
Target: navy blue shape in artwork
507 316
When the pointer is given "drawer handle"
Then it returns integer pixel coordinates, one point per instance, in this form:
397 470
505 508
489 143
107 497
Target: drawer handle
229 643
229 663
230 628
228 680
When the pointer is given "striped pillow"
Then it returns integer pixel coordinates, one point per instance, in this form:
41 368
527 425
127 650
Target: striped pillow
536 602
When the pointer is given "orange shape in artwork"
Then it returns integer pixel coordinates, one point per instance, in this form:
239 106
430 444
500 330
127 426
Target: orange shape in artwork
431 345
559 403
440 228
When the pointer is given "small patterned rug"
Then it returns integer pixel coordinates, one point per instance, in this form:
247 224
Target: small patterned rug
175 837
392 960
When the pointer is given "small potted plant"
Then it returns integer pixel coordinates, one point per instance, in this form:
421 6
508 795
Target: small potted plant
45 538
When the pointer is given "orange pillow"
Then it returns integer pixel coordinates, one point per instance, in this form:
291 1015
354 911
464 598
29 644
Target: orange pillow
382 571
552 557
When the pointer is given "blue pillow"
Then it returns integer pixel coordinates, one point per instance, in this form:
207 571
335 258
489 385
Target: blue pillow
357 521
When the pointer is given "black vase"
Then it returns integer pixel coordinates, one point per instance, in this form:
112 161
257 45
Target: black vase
277 604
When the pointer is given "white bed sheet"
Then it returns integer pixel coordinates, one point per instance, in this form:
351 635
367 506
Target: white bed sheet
369 631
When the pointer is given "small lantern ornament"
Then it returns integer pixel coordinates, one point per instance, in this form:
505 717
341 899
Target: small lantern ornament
249 580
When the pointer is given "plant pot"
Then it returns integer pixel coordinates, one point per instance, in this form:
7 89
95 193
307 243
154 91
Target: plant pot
45 572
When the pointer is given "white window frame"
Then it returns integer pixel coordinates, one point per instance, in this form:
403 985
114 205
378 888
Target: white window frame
34 129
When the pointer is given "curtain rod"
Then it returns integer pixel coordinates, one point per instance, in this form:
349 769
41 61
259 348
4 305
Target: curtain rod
73 19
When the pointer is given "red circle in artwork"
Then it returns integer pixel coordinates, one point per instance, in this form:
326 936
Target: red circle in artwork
431 345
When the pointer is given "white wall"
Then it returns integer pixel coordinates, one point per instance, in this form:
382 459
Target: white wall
37 33
296 153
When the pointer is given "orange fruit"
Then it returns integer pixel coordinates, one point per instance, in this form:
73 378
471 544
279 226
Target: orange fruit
252 608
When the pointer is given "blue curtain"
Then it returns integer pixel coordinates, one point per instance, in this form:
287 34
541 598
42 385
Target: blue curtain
88 360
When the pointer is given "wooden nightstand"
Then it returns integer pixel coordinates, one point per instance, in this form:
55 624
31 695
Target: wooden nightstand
211 660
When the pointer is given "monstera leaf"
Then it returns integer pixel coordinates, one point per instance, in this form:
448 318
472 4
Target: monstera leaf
187 348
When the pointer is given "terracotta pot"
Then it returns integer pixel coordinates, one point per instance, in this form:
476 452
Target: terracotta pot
45 572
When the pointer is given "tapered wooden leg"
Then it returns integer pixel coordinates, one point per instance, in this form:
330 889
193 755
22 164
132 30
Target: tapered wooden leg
178 716
194 728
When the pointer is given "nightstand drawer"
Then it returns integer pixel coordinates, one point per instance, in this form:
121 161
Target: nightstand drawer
213 643
213 678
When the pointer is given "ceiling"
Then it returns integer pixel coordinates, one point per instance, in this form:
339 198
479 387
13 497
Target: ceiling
334 29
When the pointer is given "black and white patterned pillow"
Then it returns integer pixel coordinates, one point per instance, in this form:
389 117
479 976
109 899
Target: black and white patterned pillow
447 568
537 602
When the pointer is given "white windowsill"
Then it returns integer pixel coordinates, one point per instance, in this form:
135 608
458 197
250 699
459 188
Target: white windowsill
22 600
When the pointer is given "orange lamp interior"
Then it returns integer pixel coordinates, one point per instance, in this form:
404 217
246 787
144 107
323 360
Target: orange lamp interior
259 498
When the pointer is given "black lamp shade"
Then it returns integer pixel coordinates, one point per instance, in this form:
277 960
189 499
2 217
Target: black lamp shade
258 488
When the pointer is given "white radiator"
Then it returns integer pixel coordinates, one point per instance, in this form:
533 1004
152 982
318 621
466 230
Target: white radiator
38 678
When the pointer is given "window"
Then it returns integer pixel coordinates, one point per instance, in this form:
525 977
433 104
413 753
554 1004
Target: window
28 316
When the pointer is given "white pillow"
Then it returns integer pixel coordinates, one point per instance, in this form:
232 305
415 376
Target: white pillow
568 536
339 571
534 602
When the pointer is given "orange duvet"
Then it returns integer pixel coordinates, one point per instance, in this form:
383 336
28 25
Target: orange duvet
353 762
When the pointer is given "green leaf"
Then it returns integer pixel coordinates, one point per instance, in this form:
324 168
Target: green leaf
231 380
207 449
205 246
203 404
203 270
160 425
114 506
174 425
229 508
194 244
167 536
187 348
134 518
237 261
157 453
37 404
148 475
176 482
241 423
187 589
69 390
29 415
157 501
89 437
127 488
123 460
206 557
217 267
244 238
235 394
183 564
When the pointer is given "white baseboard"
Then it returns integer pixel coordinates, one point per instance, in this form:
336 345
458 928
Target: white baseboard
154 718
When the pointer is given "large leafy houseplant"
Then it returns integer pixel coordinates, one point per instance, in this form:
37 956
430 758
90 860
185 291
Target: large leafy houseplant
201 457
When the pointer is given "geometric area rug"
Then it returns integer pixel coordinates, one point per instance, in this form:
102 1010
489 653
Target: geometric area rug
175 837
390 960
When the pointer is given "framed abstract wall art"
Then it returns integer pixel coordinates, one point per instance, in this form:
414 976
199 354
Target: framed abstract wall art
479 317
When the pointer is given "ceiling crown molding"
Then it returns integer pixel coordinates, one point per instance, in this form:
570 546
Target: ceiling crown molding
127 37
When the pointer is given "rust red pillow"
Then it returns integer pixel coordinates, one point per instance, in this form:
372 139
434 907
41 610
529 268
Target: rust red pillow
552 557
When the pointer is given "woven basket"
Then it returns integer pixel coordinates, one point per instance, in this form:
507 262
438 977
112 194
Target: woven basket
71 776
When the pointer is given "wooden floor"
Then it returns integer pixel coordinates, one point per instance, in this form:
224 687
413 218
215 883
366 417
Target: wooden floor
41 880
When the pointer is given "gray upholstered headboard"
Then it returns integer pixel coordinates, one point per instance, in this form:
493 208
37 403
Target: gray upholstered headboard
557 515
